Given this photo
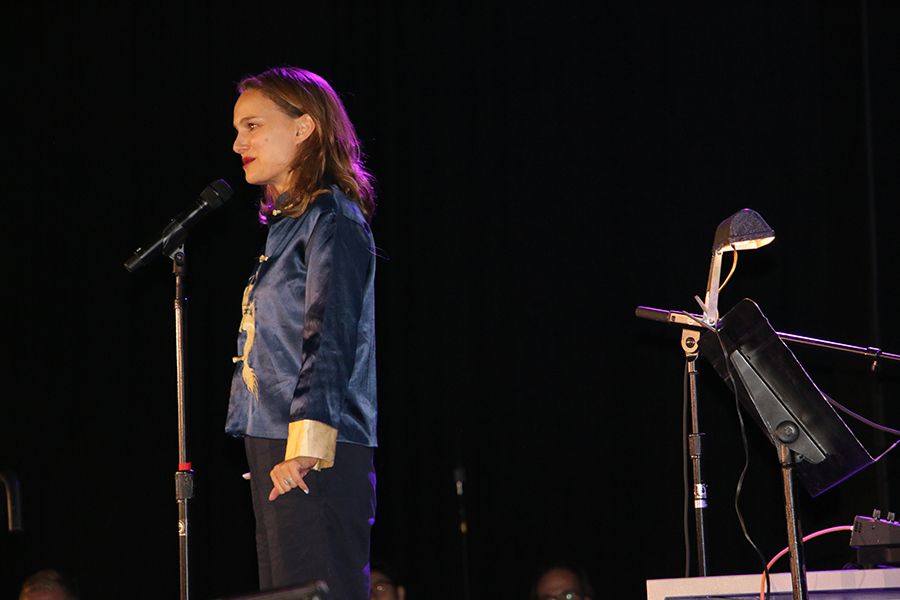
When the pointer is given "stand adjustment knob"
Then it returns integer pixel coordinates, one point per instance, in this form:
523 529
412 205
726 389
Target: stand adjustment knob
787 432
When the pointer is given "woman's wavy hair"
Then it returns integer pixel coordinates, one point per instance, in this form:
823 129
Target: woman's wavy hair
332 154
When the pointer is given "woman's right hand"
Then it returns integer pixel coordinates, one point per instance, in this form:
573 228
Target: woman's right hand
289 474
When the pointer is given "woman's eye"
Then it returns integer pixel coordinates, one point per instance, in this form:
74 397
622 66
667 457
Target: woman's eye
252 126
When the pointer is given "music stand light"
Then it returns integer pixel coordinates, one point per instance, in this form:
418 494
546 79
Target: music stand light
744 230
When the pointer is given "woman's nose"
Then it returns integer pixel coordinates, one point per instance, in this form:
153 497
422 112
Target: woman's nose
239 144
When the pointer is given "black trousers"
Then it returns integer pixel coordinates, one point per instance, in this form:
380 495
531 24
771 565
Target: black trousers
320 536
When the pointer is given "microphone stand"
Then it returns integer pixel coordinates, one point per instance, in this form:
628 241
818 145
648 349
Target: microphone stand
459 475
690 345
690 338
680 317
184 476
171 244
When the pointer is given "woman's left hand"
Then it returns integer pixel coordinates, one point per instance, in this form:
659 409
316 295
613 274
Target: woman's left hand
289 474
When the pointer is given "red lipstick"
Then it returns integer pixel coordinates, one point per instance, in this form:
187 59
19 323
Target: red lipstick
246 160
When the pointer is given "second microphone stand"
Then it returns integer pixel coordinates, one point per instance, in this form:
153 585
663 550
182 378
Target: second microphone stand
690 344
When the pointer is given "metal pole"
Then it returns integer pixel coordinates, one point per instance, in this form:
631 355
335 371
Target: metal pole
459 475
10 486
689 343
680 317
184 484
787 432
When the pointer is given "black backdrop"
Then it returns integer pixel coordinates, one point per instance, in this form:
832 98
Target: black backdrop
543 169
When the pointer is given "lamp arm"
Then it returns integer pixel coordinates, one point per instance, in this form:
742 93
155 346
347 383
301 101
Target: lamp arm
711 301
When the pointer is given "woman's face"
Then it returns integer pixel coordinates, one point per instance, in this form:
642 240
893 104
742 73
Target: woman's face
267 139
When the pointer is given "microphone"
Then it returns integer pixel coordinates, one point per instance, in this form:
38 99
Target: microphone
215 195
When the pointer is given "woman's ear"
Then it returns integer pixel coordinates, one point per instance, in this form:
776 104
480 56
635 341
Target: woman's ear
304 127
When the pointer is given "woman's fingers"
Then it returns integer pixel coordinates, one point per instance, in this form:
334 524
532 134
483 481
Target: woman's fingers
279 485
286 476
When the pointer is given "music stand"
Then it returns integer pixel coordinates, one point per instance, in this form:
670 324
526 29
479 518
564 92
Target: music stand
788 406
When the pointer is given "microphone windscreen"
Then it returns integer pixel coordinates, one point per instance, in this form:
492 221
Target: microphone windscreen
217 193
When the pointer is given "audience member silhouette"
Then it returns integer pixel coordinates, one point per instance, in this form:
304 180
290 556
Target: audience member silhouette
561 581
384 583
48 584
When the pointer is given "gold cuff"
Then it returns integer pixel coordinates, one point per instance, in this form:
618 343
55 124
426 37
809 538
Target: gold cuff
314 439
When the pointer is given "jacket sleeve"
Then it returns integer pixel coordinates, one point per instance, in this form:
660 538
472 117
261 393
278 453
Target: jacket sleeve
337 262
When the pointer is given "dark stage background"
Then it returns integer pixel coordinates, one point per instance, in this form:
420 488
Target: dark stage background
543 169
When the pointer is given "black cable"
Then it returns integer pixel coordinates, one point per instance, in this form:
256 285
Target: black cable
740 483
861 418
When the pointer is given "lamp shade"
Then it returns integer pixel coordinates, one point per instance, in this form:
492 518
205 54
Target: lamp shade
744 230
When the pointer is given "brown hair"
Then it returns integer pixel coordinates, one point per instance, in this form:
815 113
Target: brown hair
332 154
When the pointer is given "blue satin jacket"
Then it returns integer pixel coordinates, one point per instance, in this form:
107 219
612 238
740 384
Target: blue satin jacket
309 317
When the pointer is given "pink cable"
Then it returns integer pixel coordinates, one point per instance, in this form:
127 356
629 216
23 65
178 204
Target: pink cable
762 588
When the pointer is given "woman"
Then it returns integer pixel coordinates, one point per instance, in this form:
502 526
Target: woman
303 391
